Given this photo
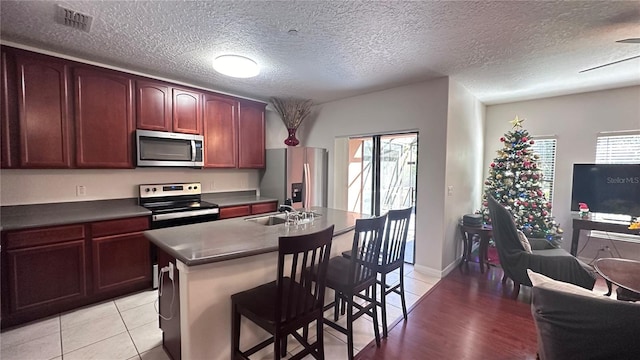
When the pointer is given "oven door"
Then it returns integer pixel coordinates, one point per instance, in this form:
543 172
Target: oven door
159 221
157 148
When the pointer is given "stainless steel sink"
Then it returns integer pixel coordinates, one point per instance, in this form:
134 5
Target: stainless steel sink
268 220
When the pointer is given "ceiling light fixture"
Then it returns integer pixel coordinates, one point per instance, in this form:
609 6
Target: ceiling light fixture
236 66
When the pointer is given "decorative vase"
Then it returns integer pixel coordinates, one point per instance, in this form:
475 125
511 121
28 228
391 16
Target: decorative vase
291 139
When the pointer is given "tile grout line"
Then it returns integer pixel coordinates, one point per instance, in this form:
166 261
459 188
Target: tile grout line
60 327
128 332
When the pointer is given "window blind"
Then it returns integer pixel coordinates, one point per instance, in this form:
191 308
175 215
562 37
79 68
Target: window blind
546 149
618 149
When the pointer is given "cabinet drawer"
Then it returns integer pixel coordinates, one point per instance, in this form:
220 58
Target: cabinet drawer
235 211
44 236
263 208
119 226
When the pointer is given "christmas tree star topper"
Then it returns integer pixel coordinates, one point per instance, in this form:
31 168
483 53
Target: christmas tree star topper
517 122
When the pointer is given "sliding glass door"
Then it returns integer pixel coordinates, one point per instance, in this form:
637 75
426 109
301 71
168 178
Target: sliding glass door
382 176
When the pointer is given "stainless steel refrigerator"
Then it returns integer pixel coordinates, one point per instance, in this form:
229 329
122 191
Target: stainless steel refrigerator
296 173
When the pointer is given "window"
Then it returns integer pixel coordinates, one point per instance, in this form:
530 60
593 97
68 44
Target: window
618 148
546 149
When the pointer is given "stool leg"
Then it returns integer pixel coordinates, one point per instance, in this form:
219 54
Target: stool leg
374 315
235 331
608 288
350 328
402 298
320 339
383 302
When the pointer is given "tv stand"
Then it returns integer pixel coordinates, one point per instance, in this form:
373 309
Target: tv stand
597 222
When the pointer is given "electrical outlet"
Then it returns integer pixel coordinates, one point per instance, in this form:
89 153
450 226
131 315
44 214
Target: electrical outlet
450 190
81 190
171 271
212 186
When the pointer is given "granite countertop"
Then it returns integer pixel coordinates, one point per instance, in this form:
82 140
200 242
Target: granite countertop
236 198
29 216
236 238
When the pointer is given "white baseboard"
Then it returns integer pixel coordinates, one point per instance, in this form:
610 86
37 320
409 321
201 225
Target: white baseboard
435 272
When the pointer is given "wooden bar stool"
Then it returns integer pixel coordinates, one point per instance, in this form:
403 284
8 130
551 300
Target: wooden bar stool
392 258
349 278
290 303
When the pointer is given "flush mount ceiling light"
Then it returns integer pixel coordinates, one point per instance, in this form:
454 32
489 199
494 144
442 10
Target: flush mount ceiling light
236 66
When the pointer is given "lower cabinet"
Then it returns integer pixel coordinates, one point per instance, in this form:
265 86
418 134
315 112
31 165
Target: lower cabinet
54 269
122 258
227 212
43 276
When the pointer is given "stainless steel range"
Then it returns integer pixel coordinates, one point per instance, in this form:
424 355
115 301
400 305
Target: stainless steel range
176 204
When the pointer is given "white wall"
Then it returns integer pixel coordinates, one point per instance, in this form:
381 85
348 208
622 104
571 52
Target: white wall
576 120
465 142
418 107
47 186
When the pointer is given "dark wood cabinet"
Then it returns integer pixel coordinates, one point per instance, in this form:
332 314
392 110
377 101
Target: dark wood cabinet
43 108
45 268
9 151
251 135
228 212
54 269
120 254
103 118
153 106
220 131
187 111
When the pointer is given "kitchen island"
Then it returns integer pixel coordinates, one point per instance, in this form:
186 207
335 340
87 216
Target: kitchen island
217 259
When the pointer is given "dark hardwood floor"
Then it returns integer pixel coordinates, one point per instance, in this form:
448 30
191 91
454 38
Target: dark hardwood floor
467 315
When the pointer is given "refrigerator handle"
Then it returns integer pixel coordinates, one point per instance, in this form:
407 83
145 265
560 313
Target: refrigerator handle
307 186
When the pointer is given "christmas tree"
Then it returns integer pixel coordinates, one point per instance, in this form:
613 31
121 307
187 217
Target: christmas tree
515 181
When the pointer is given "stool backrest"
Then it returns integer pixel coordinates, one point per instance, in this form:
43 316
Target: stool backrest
395 237
365 251
300 292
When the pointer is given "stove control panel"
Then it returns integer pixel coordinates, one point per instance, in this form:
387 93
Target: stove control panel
163 190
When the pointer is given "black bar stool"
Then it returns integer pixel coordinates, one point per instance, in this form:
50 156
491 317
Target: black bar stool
292 302
349 278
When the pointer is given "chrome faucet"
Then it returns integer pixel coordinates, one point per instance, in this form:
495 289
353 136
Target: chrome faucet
288 209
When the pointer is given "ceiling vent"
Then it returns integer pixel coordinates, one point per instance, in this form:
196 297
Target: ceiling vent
73 19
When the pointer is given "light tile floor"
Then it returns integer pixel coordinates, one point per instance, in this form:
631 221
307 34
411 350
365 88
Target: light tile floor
127 329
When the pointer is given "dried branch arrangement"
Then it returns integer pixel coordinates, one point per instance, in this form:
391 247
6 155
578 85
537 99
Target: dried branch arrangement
292 111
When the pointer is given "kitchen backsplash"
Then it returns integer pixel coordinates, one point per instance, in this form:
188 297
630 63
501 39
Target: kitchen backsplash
18 187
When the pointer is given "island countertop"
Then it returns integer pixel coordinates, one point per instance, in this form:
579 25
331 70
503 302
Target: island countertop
236 238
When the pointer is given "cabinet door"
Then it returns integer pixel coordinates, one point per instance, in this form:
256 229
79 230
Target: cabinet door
264 207
43 112
220 132
153 106
43 276
104 119
251 136
120 260
187 111
8 112
234 211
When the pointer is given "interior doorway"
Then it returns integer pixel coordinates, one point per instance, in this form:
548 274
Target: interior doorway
382 175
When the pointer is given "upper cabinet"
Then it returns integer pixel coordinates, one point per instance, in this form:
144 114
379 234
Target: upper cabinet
251 135
162 107
43 108
153 106
57 113
187 111
9 152
104 118
233 132
220 123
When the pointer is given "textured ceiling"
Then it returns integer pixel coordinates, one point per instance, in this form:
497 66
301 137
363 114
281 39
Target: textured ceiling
499 51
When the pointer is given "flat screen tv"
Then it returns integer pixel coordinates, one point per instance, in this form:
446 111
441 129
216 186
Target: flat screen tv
607 188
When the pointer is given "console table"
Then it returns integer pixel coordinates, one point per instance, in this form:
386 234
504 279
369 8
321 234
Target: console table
593 223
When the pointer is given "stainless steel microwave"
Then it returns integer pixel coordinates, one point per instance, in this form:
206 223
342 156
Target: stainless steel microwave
158 148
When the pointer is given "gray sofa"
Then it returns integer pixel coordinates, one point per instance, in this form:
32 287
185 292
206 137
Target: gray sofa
573 324
545 259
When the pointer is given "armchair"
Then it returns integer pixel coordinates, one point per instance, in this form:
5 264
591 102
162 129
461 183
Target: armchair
545 259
